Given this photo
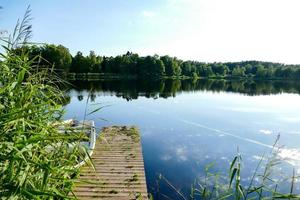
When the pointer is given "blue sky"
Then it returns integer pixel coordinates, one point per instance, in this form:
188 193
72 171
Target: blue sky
204 30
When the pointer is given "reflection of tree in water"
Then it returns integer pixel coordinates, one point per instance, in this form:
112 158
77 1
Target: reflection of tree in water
132 89
171 88
80 97
237 86
92 96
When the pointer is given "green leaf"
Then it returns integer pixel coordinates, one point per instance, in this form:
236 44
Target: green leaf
255 189
21 75
233 162
13 85
241 191
232 176
97 109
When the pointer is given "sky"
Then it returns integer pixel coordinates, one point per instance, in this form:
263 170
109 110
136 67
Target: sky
203 30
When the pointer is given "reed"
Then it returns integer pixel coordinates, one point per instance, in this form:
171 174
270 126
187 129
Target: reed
36 161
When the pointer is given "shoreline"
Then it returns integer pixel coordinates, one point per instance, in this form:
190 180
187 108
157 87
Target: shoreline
111 76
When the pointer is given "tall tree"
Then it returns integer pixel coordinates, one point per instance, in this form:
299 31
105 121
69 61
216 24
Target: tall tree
80 64
172 66
57 56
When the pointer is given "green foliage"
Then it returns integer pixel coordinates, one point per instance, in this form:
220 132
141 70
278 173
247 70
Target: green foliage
51 56
238 72
86 64
58 56
220 69
131 65
188 69
79 64
36 160
151 66
171 66
94 62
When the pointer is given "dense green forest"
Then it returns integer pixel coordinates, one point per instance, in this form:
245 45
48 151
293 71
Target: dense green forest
134 66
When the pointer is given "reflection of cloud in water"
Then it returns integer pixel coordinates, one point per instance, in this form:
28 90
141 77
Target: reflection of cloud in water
265 132
166 157
217 131
292 156
149 110
181 154
147 132
256 157
293 132
291 119
178 153
176 101
247 110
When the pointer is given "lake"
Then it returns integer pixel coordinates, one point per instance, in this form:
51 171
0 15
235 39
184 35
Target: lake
187 125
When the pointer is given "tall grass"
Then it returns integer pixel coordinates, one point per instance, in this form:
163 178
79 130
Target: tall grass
36 161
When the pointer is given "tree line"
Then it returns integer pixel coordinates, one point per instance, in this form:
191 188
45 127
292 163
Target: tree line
131 64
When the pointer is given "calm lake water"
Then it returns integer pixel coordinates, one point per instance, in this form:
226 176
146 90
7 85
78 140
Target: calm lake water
186 125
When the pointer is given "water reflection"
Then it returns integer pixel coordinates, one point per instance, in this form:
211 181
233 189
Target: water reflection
133 89
187 125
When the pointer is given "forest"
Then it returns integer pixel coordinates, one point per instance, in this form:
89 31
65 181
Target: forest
134 66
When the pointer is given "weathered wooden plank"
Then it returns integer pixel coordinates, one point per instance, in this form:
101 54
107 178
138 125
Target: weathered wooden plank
118 171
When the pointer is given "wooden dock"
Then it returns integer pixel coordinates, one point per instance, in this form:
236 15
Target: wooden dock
119 167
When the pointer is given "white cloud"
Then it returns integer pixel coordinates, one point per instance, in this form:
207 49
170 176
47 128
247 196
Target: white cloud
231 30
